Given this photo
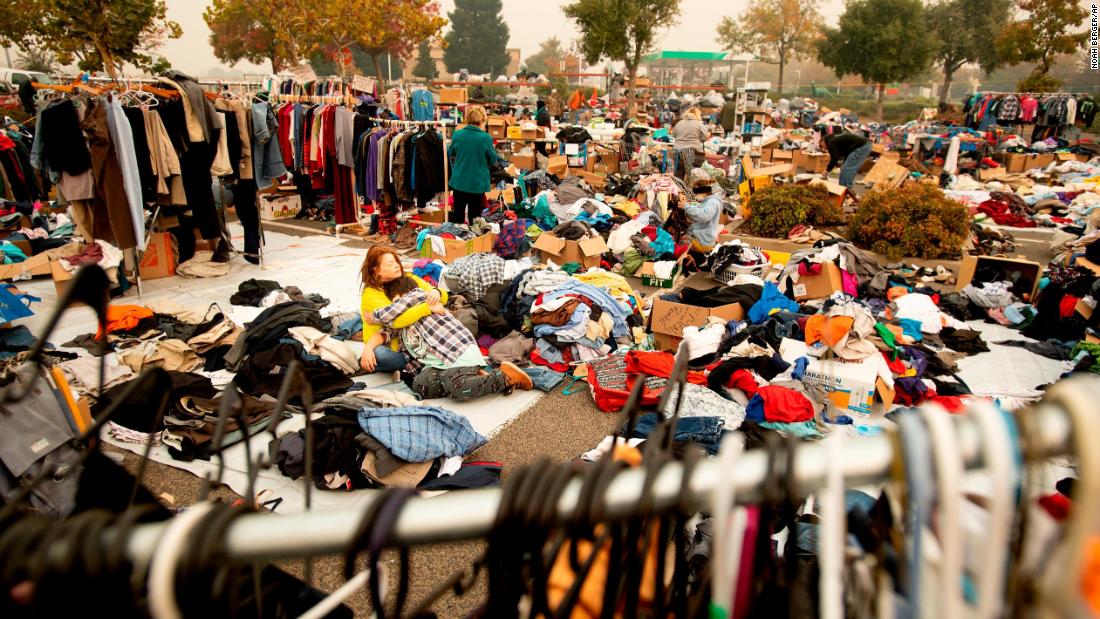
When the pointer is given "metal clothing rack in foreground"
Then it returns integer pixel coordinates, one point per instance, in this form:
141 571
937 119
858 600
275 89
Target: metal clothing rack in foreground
470 514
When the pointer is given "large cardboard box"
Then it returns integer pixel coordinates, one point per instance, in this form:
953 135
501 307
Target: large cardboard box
587 252
1021 162
32 266
886 174
1020 270
279 206
558 165
437 216
497 127
753 172
836 192
524 162
455 249
453 95
667 319
819 286
988 174
598 182
159 259
850 386
813 163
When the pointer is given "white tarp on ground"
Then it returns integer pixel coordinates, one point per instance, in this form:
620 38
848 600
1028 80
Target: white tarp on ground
316 264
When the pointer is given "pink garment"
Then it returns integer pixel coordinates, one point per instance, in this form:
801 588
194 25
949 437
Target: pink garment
850 283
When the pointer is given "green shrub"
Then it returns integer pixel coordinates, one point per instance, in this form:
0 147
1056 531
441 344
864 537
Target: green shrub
774 210
914 221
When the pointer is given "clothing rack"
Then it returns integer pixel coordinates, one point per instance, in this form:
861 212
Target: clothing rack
446 160
471 513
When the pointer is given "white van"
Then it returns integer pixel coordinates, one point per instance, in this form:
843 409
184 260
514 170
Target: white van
14 77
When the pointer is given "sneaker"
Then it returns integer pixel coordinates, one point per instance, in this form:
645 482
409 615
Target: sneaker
516 377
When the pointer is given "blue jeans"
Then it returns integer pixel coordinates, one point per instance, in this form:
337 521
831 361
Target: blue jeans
852 163
544 379
389 360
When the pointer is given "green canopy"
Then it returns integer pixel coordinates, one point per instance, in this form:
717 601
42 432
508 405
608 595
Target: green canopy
676 55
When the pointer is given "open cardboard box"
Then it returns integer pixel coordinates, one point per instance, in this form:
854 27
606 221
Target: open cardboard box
455 249
850 386
159 259
886 174
814 163
667 319
649 275
558 165
819 286
32 266
752 172
587 252
836 191
1021 270
987 174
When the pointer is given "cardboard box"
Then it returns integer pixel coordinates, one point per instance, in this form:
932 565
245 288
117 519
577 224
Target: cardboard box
530 132
766 155
988 174
1021 162
752 172
515 133
453 95
649 276
782 156
587 252
1025 272
497 127
61 277
32 266
813 163
279 206
438 216
597 182
525 162
159 259
455 249
667 319
886 174
558 165
850 386
819 286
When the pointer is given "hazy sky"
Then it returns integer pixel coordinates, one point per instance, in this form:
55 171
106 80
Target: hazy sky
529 22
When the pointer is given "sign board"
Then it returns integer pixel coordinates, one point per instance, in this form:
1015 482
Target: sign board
362 84
303 73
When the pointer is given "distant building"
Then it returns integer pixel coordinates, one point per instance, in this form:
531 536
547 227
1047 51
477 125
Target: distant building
437 55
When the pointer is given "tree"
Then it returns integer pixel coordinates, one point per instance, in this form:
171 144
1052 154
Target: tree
547 59
425 65
40 60
623 31
1046 32
774 30
97 34
379 27
258 30
478 38
882 41
964 30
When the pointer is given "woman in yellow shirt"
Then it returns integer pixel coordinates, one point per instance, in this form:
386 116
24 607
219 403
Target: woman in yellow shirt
383 280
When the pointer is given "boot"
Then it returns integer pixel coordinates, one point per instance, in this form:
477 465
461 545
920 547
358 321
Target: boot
517 378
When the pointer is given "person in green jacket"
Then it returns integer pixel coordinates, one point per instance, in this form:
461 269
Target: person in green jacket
472 155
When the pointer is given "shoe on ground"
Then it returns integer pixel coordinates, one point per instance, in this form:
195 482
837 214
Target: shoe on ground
516 377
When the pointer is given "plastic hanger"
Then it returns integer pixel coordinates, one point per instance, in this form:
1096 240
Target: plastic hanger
949 473
997 452
162 567
726 550
1062 581
834 530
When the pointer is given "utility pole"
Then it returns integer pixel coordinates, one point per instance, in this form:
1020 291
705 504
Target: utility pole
7 55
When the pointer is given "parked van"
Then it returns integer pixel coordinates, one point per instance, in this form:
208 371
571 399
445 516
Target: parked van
14 77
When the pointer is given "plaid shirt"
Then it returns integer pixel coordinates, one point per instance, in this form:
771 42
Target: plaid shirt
477 272
442 336
420 433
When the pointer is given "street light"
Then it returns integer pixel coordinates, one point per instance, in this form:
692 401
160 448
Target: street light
797 80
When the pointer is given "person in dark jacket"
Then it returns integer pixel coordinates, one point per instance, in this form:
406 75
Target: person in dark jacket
853 149
542 119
